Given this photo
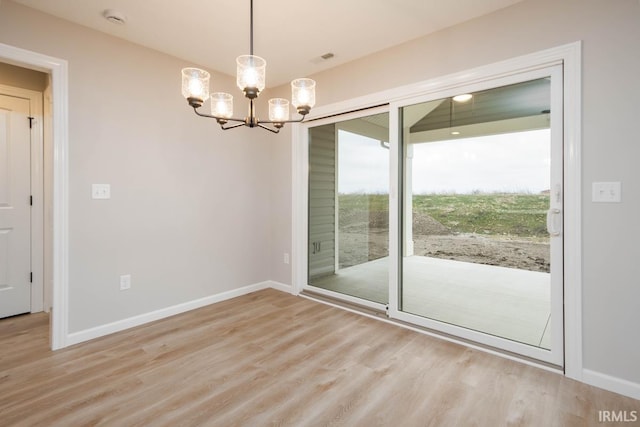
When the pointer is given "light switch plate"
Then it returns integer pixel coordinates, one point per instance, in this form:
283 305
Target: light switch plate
607 192
100 191
125 282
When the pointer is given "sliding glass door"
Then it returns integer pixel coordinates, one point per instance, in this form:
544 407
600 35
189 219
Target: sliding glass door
481 215
348 232
445 210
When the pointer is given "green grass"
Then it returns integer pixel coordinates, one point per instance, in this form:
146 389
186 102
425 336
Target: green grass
513 215
519 215
372 202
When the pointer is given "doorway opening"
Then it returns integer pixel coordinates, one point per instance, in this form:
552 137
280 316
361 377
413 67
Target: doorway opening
25 202
57 175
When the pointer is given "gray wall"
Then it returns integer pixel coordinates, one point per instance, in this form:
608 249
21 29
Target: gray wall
185 218
610 31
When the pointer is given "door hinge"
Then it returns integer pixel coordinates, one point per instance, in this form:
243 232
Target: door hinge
30 200
31 122
31 277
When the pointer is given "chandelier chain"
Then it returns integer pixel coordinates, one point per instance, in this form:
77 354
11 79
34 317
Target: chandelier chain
251 29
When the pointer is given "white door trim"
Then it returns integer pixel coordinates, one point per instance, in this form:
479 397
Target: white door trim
570 56
57 68
37 191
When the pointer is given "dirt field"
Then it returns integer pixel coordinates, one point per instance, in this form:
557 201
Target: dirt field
365 238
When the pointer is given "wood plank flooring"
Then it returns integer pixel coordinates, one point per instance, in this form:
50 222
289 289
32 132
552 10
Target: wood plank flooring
272 359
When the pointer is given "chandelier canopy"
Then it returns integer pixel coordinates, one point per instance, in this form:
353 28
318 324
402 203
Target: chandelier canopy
250 78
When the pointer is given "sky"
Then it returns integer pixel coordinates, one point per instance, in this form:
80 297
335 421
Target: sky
516 162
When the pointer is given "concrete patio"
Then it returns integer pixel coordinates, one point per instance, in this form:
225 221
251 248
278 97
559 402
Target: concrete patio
505 302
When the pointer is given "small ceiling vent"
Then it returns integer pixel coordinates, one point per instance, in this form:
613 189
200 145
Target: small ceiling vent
320 59
114 17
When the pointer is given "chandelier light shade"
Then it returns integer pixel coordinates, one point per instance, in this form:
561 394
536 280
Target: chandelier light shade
303 95
278 110
195 84
251 80
251 74
222 105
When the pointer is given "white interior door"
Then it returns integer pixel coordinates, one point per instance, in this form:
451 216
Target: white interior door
15 208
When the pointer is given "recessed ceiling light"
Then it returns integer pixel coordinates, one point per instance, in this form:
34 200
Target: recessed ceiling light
463 98
455 132
114 16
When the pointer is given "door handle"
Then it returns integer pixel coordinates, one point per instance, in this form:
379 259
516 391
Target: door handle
552 214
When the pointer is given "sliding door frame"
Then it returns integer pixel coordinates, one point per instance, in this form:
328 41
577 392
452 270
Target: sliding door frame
569 56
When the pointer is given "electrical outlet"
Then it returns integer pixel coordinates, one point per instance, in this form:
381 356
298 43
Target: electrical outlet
125 282
286 258
607 192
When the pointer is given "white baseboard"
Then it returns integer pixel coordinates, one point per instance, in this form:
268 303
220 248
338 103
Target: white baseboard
614 384
120 325
281 287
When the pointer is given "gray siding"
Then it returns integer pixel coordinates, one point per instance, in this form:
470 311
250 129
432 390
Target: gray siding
322 200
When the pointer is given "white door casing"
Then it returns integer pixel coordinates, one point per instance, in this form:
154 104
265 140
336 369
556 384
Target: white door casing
15 207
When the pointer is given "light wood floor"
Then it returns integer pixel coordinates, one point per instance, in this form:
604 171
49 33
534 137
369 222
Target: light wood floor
270 358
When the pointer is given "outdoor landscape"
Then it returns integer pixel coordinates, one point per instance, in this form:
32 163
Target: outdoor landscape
504 229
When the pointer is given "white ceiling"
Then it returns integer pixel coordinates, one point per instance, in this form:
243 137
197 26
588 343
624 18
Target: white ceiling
290 34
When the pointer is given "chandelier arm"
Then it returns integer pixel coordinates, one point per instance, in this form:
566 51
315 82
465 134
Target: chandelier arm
237 125
284 121
268 128
209 116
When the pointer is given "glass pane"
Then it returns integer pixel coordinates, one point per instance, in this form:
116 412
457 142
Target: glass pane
476 193
349 207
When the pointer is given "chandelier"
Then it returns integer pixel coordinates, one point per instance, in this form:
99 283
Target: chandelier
251 80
